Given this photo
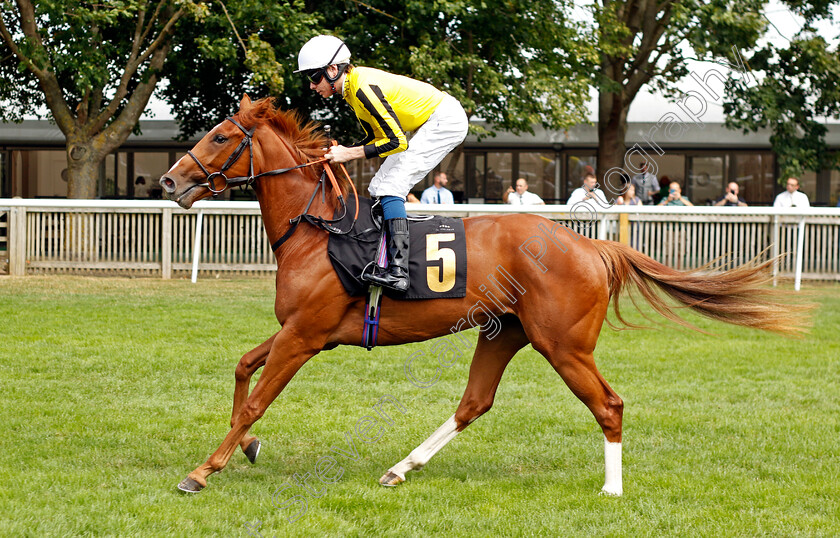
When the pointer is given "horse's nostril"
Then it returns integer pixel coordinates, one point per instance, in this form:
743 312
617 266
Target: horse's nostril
168 184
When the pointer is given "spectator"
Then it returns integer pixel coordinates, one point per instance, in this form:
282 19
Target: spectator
792 197
675 196
731 198
646 184
588 192
141 190
521 196
438 193
628 197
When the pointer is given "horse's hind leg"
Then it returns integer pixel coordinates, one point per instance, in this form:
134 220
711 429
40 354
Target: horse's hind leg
248 364
489 362
578 370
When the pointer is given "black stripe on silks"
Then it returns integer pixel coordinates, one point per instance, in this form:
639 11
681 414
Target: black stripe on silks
369 136
393 142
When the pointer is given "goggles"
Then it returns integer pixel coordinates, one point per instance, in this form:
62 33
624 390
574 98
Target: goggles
315 75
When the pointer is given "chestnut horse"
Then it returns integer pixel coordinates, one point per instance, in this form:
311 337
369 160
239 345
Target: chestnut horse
550 288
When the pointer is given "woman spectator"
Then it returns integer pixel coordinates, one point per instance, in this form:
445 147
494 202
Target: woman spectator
629 196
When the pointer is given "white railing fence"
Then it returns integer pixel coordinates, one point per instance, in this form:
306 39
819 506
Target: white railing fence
161 239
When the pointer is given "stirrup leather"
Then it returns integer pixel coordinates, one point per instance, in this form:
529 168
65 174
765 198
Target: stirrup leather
395 275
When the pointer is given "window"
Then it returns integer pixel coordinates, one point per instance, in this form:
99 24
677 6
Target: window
499 175
114 176
670 167
475 171
45 173
754 175
5 183
540 171
454 173
576 167
148 167
808 185
706 177
834 188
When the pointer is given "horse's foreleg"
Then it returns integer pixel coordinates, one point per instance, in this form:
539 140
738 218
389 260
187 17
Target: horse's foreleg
489 362
579 372
289 351
248 364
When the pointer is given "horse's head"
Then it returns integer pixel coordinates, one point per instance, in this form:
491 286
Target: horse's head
259 140
225 152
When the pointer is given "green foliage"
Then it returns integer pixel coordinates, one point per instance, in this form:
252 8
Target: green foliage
515 63
797 89
210 68
644 42
85 45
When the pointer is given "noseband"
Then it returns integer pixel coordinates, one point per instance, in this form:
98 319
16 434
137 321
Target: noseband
246 142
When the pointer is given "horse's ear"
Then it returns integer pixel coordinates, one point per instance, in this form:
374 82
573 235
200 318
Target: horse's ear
245 103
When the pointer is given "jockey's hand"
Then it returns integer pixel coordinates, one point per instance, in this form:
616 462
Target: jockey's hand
342 154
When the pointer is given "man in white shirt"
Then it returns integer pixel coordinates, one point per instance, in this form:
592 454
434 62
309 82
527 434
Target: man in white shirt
521 196
792 197
589 193
438 193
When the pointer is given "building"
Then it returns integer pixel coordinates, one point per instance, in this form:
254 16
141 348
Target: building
703 158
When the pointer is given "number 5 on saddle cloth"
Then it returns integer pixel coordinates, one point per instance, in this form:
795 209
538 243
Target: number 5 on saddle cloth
437 262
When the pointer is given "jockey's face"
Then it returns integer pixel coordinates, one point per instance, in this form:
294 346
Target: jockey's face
323 86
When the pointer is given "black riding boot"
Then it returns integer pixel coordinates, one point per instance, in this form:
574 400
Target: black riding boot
396 275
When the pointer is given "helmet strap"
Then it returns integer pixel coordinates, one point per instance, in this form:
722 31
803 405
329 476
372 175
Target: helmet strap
332 80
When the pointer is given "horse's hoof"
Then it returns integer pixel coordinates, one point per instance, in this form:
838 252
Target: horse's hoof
253 450
391 479
188 485
611 492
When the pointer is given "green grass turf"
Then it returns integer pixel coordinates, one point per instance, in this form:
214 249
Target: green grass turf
114 389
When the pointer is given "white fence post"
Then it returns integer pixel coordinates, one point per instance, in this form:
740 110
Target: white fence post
166 244
197 245
17 241
800 249
603 228
774 248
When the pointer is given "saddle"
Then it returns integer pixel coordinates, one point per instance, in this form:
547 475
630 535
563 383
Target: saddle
437 264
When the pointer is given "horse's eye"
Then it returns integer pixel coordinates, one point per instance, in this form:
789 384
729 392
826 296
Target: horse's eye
220 139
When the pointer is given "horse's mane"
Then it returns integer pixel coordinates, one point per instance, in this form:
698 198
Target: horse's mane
302 134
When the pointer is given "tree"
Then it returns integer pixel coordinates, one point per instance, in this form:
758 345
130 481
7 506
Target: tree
514 63
213 65
646 42
797 89
66 55
95 65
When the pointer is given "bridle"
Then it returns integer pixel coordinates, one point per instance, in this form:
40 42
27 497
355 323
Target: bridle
246 142
245 181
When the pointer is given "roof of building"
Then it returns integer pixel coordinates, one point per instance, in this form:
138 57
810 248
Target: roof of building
157 133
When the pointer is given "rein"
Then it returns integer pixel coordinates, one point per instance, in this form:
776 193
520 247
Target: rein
319 222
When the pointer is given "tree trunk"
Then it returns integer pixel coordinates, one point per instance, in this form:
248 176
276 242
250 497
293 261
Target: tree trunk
83 167
452 169
612 130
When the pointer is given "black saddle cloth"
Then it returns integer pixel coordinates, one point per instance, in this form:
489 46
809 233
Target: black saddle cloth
437 263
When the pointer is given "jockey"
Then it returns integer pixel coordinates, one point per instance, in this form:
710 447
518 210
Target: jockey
388 107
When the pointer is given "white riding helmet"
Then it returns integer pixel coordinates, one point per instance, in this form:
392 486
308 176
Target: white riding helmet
321 51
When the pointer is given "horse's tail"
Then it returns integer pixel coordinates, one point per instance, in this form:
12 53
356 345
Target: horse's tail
739 296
